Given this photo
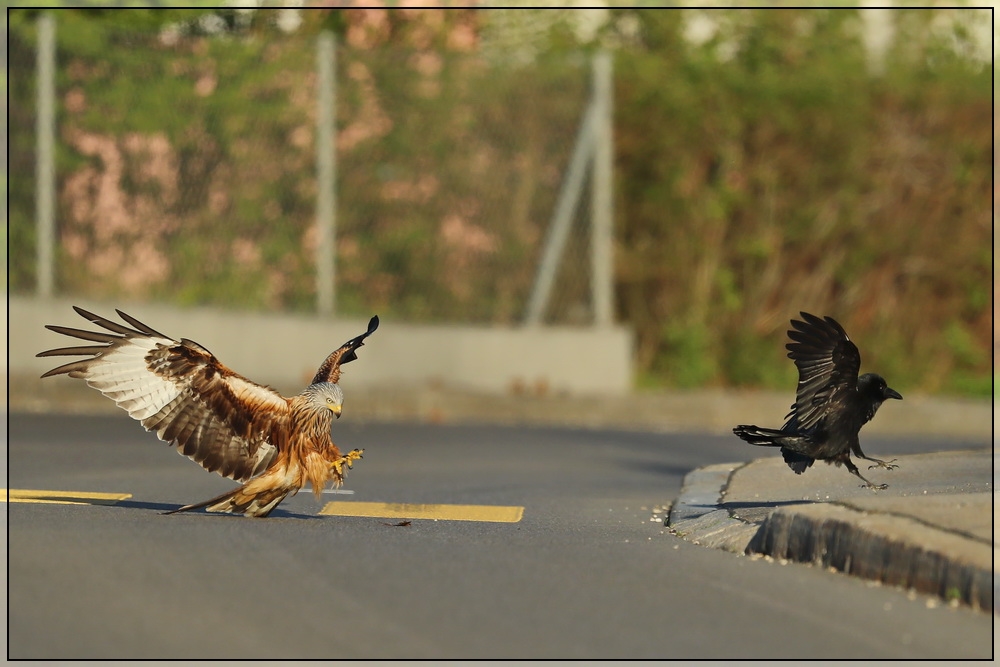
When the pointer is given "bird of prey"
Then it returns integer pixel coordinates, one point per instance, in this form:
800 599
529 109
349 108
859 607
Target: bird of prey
831 402
230 425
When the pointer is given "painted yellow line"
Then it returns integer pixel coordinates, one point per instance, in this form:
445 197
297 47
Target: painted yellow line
497 513
62 497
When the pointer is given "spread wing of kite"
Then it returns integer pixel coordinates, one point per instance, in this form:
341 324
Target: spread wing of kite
230 425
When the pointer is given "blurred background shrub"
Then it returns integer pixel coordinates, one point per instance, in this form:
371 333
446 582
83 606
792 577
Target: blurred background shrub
764 164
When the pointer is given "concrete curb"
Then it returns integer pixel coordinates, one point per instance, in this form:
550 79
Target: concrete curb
861 537
890 549
696 515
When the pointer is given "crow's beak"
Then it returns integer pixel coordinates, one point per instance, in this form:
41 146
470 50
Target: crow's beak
889 393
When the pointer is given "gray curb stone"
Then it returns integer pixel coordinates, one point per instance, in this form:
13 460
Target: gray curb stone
697 517
892 549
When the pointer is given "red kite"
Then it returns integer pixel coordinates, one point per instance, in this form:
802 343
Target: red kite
230 425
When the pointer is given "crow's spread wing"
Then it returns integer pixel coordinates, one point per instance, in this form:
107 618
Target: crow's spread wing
181 391
330 370
828 364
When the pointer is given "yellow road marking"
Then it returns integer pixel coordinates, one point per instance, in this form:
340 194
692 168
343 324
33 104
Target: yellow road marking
495 513
62 497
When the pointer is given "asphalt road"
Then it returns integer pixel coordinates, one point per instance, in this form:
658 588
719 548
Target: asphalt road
585 573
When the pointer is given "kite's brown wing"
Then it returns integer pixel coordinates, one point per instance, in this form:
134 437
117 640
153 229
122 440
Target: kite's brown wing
330 370
828 364
178 389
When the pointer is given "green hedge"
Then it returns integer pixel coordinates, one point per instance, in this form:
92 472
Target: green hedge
763 172
787 177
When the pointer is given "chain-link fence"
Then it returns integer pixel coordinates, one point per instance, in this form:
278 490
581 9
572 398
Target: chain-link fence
186 173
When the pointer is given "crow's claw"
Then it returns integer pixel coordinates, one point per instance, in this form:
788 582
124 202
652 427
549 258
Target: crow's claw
874 487
883 464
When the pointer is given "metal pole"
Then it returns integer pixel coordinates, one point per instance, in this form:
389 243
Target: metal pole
555 240
602 212
326 203
45 172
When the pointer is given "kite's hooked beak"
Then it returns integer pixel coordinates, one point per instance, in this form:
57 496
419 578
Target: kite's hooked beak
336 410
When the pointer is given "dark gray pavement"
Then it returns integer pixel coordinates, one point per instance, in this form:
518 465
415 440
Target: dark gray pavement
589 571
933 530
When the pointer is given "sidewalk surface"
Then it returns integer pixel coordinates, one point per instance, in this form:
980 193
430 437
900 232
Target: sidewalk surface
933 530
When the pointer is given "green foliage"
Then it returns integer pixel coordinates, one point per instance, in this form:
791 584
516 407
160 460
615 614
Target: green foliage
198 154
689 363
751 360
768 171
20 166
763 171
965 383
963 346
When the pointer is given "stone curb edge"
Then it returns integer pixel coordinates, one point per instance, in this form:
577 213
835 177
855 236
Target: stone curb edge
836 538
831 538
697 517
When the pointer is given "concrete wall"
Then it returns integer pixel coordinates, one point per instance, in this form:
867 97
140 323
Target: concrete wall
285 350
568 377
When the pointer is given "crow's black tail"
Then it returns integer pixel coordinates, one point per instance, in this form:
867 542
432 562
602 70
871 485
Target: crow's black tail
762 437
771 437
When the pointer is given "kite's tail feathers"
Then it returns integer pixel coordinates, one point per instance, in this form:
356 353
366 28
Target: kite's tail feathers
762 437
239 501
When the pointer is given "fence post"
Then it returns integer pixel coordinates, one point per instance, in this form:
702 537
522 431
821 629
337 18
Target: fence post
45 177
555 239
602 212
326 196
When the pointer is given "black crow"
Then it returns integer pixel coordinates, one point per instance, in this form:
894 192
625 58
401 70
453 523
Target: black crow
831 402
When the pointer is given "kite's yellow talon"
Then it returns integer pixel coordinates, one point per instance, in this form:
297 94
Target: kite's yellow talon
348 460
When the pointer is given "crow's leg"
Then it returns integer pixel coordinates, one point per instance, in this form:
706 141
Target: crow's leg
879 463
853 469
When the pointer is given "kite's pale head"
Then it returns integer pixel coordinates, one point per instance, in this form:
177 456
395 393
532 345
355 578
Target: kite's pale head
326 395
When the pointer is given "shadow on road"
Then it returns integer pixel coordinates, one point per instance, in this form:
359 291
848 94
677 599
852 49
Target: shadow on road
763 505
162 508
